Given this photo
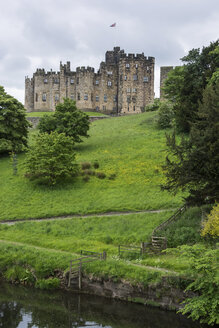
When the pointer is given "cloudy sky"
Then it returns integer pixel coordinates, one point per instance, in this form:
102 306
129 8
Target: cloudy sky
41 33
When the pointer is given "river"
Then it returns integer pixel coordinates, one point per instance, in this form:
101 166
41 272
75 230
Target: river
22 307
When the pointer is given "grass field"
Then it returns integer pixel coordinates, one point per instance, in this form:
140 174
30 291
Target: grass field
130 147
41 114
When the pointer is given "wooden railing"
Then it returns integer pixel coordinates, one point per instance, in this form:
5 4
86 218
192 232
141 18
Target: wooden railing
129 249
75 270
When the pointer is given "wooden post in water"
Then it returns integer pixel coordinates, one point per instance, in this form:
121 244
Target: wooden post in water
80 276
69 278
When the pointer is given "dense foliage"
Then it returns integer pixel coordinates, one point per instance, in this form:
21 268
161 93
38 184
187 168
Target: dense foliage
193 164
204 270
13 124
51 158
211 225
184 85
67 119
165 115
154 106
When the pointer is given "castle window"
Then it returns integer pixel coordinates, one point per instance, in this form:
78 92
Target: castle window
72 81
125 77
56 97
145 79
72 96
134 99
79 96
128 90
56 81
128 99
97 98
134 90
136 65
134 108
115 98
148 68
97 82
92 97
97 109
109 83
127 65
44 96
135 77
104 107
45 81
86 96
105 98
36 97
77 80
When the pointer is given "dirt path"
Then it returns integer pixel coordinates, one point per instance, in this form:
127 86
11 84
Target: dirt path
73 216
147 267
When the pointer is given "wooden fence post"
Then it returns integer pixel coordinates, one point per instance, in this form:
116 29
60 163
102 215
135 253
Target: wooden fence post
80 276
104 256
119 250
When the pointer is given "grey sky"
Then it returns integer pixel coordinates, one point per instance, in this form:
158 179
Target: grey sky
36 33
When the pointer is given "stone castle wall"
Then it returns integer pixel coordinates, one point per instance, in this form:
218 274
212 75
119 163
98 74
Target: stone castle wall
123 84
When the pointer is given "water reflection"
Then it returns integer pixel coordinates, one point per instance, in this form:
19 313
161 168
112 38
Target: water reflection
29 308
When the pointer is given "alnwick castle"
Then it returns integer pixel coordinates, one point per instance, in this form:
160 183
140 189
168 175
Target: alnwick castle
124 84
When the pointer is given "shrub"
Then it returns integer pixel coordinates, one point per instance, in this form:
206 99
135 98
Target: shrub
85 165
101 175
96 165
211 225
154 106
165 115
112 176
51 159
86 178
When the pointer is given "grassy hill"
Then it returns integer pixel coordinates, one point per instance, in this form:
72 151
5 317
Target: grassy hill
130 148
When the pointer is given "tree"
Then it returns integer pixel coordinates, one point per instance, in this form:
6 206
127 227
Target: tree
67 119
184 85
211 225
51 159
13 124
165 115
203 267
192 165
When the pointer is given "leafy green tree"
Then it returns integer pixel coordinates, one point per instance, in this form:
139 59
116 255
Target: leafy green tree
154 106
67 119
13 124
203 268
184 85
192 165
165 115
51 159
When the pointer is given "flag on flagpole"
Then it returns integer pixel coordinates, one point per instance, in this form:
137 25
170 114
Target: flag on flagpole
113 25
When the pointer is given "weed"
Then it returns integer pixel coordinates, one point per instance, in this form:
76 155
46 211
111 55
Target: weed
101 175
85 165
96 165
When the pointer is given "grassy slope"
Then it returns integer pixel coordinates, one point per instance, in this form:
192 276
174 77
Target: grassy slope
130 147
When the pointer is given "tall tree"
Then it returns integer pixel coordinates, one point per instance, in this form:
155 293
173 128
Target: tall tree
184 85
67 119
192 165
13 124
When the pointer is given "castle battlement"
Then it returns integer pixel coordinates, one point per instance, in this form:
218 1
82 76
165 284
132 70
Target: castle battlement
107 91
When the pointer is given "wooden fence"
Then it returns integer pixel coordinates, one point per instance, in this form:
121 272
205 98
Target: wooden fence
75 270
129 249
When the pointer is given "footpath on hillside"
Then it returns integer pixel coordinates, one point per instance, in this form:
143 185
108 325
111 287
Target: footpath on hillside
84 216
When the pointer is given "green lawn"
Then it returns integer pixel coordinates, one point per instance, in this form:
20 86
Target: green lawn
41 114
130 147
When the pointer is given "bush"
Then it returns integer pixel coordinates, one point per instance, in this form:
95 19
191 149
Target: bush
211 225
165 115
96 165
51 159
101 175
153 107
85 165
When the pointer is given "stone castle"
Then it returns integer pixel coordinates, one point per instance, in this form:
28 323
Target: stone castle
124 83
